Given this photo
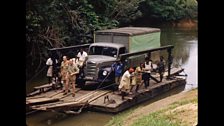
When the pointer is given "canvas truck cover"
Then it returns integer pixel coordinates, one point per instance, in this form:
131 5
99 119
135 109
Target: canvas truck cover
134 38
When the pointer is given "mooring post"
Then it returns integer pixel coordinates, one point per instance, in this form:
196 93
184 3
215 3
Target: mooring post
149 55
169 50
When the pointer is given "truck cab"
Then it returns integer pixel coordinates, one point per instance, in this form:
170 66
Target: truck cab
101 56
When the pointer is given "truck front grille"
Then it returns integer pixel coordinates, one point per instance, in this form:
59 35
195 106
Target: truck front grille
91 70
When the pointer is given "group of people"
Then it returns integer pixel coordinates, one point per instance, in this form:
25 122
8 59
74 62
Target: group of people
132 77
136 76
68 71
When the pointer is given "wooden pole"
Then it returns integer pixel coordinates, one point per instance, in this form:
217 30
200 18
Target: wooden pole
149 55
169 50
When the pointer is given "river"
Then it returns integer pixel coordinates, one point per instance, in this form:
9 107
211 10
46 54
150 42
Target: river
185 53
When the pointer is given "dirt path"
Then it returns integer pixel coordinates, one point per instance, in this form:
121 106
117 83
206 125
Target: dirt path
158 105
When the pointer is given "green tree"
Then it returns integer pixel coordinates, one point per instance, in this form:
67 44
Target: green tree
169 10
58 23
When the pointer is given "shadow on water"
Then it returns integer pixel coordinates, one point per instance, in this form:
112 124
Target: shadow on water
58 119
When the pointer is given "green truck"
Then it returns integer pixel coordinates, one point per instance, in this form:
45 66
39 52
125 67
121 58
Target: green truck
110 44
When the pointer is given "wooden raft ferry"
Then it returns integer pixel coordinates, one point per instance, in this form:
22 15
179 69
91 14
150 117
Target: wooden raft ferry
47 99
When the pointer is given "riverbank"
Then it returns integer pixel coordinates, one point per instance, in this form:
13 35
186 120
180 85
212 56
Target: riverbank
186 23
180 109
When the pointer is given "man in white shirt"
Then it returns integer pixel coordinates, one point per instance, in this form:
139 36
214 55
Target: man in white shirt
125 82
82 55
147 69
50 64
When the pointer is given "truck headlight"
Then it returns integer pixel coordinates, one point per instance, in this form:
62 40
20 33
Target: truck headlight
104 73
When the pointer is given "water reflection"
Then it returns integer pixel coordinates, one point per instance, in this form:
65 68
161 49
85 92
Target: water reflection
185 50
181 39
59 119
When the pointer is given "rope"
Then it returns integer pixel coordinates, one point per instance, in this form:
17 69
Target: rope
107 86
80 110
28 113
183 70
104 79
76 112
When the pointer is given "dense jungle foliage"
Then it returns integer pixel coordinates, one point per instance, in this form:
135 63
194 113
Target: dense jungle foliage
58 23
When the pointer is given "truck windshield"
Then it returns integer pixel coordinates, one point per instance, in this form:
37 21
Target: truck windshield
99 50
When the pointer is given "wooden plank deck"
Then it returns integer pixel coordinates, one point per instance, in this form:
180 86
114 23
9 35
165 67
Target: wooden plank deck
116 104
55 100
64 101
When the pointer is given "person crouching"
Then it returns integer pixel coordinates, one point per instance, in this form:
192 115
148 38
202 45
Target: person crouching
124 86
